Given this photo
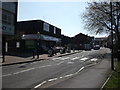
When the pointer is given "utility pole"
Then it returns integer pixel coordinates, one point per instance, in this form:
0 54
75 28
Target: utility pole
112 57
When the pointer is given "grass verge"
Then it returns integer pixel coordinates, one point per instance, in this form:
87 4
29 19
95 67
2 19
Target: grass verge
114 81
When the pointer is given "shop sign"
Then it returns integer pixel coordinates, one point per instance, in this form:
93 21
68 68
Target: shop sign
42 37
49 38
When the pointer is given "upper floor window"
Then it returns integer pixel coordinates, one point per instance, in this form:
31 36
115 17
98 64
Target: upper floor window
54 30
8 18
46 27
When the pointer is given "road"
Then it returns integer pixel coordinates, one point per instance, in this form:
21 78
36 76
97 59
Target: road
49 72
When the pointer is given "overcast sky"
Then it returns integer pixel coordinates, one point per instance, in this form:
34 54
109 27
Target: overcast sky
64 15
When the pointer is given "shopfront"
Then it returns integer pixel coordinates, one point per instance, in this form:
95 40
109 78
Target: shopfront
45 41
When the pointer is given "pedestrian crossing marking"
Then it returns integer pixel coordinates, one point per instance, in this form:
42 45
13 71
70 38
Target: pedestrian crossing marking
75 58
64 58
94 59
70 62
83 59
60 58
56 58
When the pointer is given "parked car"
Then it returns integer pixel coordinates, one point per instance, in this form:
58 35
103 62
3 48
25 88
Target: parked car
96 47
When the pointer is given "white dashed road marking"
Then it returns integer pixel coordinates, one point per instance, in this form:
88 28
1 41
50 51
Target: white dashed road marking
79 70
52 79
69 75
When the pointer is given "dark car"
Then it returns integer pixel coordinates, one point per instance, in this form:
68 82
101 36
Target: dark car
96 47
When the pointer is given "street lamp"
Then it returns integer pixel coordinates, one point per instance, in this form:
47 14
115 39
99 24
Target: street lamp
38 43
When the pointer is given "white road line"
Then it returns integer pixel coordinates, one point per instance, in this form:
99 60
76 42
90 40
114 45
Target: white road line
79 70
68 75
52 79
94 59
44 66
60 63
83 59
24 70
5 75
31 69
40 84
74 58
65 58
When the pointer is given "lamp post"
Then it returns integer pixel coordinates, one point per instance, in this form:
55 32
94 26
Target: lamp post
112 58
38 43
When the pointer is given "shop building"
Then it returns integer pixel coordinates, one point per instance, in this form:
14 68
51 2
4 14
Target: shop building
34 34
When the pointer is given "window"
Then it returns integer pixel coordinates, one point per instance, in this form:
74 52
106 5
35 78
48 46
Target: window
46 27
54 30
8 18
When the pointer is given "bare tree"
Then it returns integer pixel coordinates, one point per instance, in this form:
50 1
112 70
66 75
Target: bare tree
97 17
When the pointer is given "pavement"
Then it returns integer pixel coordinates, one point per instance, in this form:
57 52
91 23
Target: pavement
11 60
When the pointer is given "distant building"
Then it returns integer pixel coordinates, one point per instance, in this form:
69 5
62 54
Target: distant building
80 39
8 10
34 34
65 40
102 41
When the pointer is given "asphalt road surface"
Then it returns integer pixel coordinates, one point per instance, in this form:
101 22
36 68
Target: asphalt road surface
49 72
